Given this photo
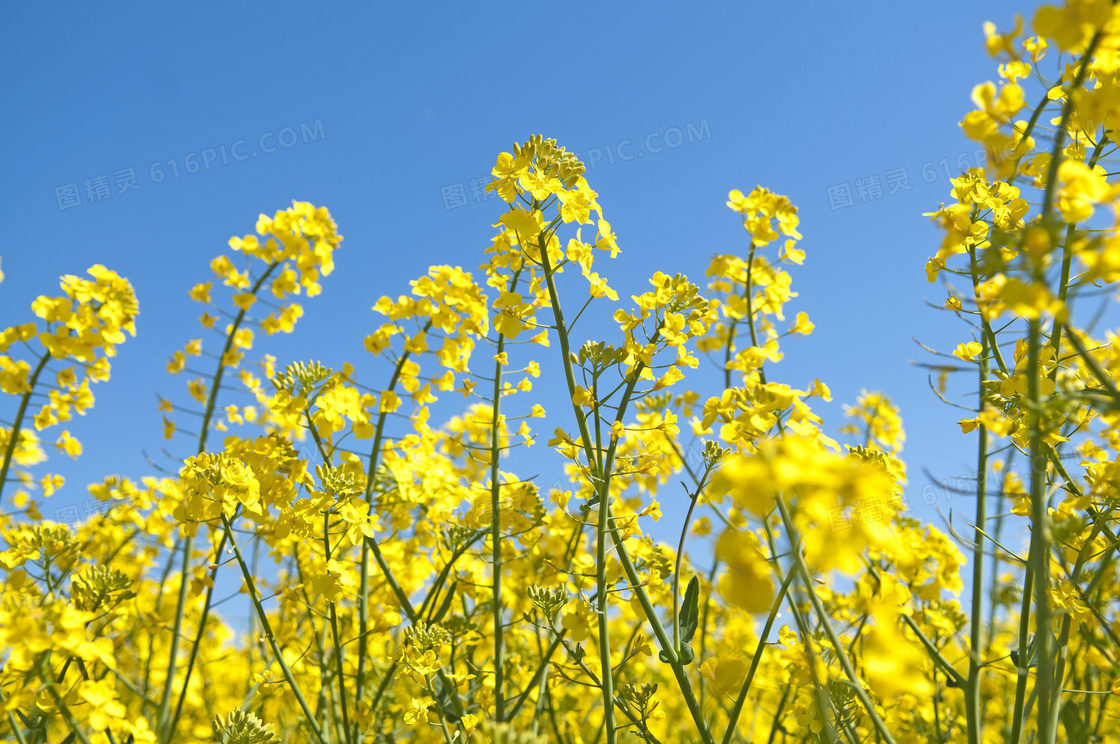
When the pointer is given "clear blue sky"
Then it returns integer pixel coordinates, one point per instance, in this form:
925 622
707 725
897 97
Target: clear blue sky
386 114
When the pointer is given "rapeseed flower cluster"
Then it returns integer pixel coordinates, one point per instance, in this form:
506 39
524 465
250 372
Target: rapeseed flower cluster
407 582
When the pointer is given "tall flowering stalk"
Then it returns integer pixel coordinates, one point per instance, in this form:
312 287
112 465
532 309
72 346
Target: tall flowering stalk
406 580
1032 251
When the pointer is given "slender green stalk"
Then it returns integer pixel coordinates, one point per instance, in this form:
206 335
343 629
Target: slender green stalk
335 637
163 726
1041 539
17 425
163 717
602 529
603 490
824 700
976 625
546 658
775 724
727 351
693 498
734 719
845 662
595 679
363 587
1060 655
704 624
1028 131
11 718
409 610
159 603
663 638
193 656
439 710
427 606
996 556
987 332
1023 667
254 597
496 524
539 677
382 688
63 707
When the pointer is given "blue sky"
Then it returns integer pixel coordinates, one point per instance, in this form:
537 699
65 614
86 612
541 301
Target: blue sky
386 114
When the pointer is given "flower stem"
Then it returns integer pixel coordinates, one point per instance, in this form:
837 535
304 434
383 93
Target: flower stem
254 597
734 719
976 624
496 524
845 662
13 438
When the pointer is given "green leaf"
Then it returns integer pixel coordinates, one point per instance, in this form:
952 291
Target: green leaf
687 655
690 611
1076 728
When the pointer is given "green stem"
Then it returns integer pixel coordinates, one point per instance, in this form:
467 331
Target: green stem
335 637
198 637
254 597
496 524
439 710
11 719
605 523
603 607
159 603
163 717
693 498
824 700
776 721
409 610
602 526
734 719
976 626
13 438
704 625
163 720
538 677
645 733
663 638
1023 670
363 589
845 662
62 707
1067 111
1041 539
727 352
996 556
987 333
